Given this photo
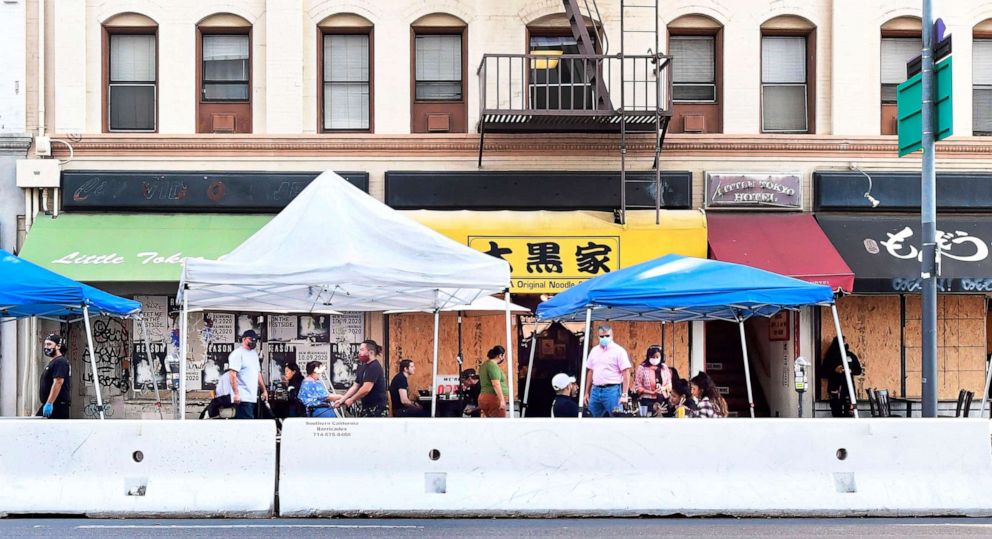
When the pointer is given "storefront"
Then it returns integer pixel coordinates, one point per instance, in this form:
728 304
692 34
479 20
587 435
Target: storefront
756 219
548 251
128 233
881 244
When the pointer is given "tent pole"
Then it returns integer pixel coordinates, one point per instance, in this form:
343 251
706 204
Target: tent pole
183 343
511 374
747 367
843 354
151 364
434 392
582 368
530 370
96 375
985 394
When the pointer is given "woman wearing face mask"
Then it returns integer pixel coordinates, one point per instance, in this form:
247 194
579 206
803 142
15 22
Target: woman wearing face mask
492 399
653 381
56 382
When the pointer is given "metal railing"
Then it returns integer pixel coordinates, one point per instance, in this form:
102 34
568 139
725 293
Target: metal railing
574 84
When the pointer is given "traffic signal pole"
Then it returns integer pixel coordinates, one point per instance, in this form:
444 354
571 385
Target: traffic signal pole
928 216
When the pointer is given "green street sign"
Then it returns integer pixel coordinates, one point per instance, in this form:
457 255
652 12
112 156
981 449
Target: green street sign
909 99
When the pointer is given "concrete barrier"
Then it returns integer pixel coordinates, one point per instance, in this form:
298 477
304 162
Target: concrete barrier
629 467
129 468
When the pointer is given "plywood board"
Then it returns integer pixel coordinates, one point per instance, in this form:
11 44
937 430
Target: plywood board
871 328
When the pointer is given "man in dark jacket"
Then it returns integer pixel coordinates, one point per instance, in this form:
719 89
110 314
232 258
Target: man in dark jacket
832 369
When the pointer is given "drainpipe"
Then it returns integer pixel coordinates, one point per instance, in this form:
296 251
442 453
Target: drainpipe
41 68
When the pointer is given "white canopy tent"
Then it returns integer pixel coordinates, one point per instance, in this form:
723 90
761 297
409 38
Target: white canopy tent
334 248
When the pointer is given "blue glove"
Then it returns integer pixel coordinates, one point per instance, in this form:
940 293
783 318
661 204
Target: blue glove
46 410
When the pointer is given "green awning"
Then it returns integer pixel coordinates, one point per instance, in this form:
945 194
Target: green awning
133 247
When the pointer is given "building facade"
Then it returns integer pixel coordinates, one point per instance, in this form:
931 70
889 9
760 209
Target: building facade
183 124
14 143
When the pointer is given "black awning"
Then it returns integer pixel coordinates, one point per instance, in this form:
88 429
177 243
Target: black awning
884 252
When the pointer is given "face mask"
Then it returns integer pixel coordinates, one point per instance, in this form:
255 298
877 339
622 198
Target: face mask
655 360
252 344
605 341
50 352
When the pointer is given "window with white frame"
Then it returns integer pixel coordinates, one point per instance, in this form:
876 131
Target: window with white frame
225 67
131 92
784 91
896 51
693 68
438 67
981 108
346 82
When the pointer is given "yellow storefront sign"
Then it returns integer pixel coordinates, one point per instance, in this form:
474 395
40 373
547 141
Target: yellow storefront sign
551 263
552 251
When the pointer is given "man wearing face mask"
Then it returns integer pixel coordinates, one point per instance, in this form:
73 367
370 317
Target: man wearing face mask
56 382
607 376
243 371
369 389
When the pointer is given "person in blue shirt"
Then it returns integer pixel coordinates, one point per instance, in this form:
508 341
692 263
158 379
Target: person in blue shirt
314 395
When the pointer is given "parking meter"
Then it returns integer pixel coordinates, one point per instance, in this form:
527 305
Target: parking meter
802 378
801 372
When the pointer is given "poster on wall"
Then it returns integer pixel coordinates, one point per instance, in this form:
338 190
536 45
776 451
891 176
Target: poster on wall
223 326
347 332
314 328
282 327
344 363
778 327
148 373
279 354
215 364
252 321
155 312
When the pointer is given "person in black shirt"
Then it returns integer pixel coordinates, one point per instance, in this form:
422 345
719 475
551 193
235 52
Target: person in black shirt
468 391
56 382
565 389
399 392
369 389
832 369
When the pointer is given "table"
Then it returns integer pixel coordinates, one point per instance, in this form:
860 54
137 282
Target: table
445 407
909 403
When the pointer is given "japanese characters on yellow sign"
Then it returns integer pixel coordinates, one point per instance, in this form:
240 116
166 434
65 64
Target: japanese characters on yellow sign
543 264
552 251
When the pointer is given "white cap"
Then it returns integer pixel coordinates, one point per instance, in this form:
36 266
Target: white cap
561 381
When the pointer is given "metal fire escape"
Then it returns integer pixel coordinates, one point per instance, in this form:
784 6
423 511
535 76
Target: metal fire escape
589 92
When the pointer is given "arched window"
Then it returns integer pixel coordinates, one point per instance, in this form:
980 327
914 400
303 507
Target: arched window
981 69
440 104
344 65
223 74
900 43
695 43
130 73
788 75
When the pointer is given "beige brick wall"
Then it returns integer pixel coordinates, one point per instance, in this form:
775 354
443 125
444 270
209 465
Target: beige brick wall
284 54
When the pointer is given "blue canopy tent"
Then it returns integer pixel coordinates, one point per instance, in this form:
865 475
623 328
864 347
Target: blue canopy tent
677 288
28 290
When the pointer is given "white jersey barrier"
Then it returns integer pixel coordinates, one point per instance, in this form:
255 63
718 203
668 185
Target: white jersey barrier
126 468
629 467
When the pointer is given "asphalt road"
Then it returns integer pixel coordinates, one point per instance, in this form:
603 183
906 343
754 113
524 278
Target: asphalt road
450 529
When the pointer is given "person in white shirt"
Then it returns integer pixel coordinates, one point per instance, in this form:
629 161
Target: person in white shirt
243 371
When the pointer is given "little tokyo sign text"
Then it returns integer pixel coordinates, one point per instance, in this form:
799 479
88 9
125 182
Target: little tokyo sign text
757 190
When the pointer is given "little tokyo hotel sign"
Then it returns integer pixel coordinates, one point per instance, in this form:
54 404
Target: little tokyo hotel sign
754 190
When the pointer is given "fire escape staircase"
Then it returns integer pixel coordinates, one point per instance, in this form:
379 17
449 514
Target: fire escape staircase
605 93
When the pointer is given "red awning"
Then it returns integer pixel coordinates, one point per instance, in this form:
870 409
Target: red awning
789 244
